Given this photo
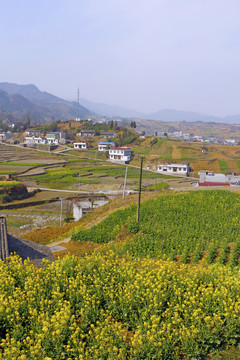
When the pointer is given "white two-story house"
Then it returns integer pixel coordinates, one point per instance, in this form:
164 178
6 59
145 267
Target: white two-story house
56 137
120 154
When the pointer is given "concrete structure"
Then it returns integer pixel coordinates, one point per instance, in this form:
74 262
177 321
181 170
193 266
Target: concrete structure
31 140
175 169
32 132
104 146
120 154
208 178
4 253
5 136
87 133
24 248
56 137
108 135
80 145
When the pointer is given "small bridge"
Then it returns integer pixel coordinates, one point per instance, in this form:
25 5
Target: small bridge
4 253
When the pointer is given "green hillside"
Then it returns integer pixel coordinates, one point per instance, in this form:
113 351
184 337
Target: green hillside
156 150
201 156
177 226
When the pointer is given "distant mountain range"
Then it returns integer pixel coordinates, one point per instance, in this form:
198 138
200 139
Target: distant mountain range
16 101
161 115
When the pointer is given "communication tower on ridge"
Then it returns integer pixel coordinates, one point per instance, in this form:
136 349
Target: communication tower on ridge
78 111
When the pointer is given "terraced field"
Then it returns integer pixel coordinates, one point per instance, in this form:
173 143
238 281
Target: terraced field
136 297
218 158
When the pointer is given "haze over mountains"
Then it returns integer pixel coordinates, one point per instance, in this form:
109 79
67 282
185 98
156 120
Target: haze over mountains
161 115
16 101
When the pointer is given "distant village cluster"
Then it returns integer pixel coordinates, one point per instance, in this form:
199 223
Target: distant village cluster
194 138
114 141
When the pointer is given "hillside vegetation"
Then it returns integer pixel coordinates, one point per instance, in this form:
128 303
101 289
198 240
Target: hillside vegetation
182 226
108 307
129 299
218 158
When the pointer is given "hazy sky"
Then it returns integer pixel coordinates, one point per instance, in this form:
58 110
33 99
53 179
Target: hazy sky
142 54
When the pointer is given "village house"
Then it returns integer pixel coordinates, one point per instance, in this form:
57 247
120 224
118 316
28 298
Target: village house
56 138
209 178
87 133
108 135
31 140
5 136
31 132
175 169
103 146
81 145
120 154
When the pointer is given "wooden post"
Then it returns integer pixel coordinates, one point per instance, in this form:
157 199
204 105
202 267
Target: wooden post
139 190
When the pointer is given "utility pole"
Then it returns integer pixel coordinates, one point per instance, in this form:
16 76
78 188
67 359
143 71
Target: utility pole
79 181
61 211
4 253
125 182
139 190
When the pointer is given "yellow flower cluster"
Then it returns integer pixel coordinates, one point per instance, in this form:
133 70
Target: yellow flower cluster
106 307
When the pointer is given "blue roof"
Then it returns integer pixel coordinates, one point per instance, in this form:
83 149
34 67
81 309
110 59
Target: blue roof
105 143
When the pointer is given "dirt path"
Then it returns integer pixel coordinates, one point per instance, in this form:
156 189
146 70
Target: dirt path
56 243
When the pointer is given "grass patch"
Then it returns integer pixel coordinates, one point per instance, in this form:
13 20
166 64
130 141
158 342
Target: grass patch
3 172
23 164
7 183
223 166
186 154
161 141
159 186
80 160
238 164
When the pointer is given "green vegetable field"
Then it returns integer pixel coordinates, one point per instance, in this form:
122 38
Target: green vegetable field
185 225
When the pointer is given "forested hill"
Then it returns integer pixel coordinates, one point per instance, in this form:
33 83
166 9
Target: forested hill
18 100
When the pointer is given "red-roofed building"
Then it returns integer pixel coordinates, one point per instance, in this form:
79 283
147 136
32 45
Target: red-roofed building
120 154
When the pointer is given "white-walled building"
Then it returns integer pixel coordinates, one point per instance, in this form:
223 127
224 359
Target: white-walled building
105 145
56 137
80 145
120 154
175 169
108 135
5 136
31 140
209 178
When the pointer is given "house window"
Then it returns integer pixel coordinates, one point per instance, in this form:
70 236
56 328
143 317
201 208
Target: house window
184 169
179 169
159 168
169 168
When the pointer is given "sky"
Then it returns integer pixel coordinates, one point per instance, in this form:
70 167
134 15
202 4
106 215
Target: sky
145 55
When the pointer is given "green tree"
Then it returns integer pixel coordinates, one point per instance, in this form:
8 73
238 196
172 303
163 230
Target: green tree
133 125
